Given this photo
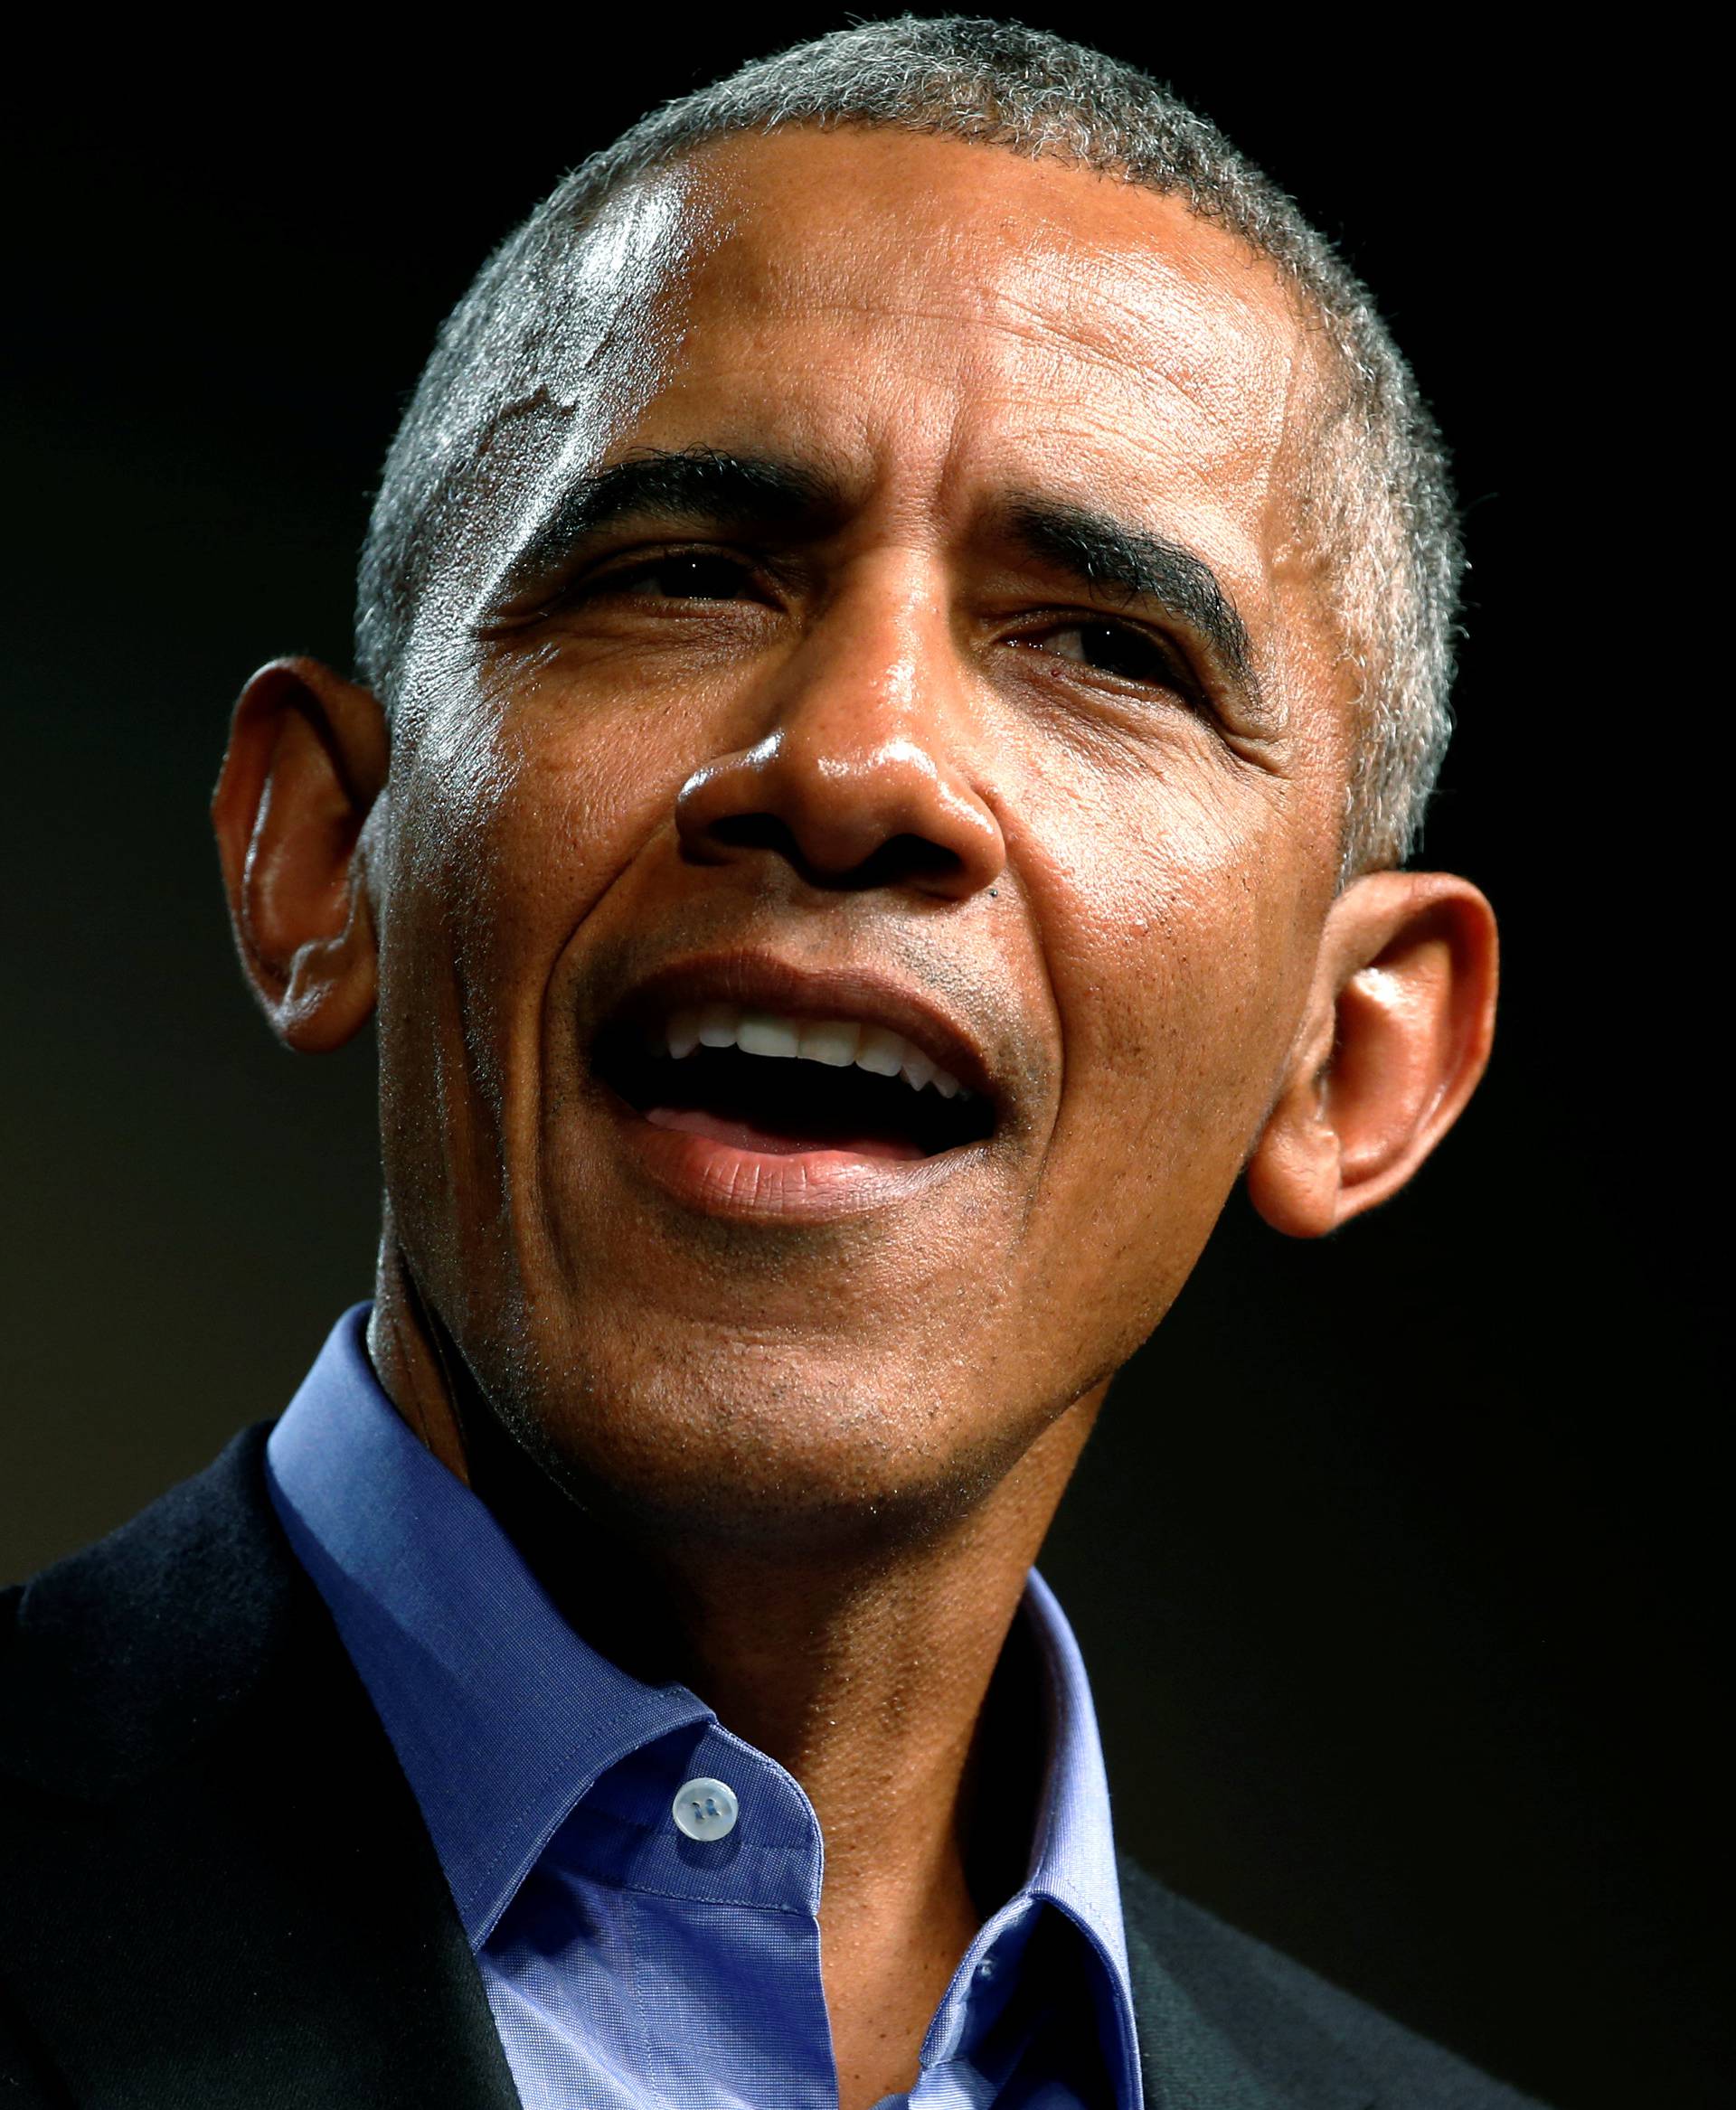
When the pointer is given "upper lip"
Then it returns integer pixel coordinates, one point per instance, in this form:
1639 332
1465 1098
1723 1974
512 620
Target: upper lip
763 982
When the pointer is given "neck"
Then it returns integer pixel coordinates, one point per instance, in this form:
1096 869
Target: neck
862 1671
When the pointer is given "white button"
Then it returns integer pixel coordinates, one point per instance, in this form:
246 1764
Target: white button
706 1809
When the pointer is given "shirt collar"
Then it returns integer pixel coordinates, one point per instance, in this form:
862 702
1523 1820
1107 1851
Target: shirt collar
1072 1856
501 1716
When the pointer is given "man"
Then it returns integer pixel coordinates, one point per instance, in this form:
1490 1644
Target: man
902 650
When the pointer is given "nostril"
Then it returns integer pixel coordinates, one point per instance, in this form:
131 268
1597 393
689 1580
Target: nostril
899 860
757 832
841 821
903 858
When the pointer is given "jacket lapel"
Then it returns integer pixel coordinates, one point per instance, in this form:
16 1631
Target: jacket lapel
1212 2034
220 1890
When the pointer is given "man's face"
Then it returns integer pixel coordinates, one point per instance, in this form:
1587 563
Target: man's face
901 622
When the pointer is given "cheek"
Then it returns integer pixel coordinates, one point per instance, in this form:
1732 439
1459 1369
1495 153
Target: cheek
510 823
1171 916
498 848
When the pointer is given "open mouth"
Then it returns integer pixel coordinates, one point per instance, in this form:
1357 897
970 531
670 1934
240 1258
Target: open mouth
756 1080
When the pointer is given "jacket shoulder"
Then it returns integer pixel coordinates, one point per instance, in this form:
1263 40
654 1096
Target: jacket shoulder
113 1657
217 1885
1311 2043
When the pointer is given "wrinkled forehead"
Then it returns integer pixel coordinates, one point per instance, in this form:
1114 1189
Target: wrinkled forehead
1085 275
1112 295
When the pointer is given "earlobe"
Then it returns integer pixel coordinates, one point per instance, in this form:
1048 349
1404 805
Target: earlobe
1396 1035
307 759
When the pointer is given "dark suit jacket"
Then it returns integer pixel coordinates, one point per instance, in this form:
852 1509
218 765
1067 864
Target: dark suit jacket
216 1890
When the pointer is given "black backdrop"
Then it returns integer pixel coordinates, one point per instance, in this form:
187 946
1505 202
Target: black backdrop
1394 1556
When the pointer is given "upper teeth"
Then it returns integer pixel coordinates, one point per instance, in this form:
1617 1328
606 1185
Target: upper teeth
837 1041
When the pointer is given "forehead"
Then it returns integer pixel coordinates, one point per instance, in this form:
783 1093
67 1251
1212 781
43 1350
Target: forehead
945 307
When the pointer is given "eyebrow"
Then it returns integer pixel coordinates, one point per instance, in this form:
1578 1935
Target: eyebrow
698 484
1107 554
704 486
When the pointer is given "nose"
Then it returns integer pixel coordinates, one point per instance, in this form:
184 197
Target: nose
855 780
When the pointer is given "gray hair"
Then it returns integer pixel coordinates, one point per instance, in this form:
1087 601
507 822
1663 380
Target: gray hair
1378 494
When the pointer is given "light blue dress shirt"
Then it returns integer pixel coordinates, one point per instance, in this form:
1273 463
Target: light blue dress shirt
629 1966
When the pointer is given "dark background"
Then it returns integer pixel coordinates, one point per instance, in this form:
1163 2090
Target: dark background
1395 1557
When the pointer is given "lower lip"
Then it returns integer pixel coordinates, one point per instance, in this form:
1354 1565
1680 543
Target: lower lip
722 1179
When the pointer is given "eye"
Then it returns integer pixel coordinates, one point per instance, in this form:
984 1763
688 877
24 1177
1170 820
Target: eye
688 575
1112 648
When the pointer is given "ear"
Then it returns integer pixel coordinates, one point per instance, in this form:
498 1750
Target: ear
1394 1037
307 759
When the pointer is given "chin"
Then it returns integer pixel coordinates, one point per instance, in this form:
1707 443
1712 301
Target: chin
795 1457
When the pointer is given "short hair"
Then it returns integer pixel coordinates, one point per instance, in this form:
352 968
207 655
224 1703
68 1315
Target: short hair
1377 494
